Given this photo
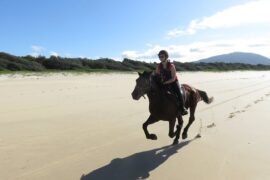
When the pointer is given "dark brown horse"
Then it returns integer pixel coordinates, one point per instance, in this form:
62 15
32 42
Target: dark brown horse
163 105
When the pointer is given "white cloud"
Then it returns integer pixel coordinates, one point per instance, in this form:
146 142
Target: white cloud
149 55
253 12
199 50
130 54
52 53
36 50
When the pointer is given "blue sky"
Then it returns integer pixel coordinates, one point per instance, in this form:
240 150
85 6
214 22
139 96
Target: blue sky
189 30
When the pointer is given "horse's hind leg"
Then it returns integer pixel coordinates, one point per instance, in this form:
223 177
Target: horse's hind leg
150 120
178 129
190 121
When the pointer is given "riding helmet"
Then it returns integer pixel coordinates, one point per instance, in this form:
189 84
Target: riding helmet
164 52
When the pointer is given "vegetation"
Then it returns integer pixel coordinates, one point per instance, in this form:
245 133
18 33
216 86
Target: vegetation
29 63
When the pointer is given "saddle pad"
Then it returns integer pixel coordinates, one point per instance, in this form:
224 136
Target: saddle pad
183 92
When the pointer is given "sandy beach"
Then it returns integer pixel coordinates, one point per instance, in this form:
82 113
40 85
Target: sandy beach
66 126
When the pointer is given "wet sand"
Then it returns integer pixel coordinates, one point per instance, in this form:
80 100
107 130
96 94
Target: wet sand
87 126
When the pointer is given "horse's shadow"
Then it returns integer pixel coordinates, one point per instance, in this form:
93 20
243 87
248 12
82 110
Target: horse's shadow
136 166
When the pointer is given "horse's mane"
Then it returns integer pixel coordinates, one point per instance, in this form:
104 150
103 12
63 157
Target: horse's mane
157 79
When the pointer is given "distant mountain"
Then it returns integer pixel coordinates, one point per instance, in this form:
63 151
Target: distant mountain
238 57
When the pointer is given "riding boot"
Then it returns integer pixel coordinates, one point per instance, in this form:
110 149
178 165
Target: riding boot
176 88
182 105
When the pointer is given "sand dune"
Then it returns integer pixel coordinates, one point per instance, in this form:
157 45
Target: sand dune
86 126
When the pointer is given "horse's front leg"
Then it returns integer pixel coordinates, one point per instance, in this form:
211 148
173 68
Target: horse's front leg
150 120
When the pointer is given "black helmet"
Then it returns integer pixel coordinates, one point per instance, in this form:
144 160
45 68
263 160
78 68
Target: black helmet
164 52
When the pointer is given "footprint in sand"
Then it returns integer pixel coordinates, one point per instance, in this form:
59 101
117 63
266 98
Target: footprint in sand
255 102
247 106
211 125
233 114
258 100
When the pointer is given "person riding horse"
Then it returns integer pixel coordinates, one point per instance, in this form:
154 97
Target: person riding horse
169 77
163 106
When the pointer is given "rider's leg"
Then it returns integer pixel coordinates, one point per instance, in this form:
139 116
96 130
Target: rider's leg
176 89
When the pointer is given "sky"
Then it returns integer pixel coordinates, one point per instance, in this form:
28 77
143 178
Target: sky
188 29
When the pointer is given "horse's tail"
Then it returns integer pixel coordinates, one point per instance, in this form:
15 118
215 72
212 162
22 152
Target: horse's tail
205 97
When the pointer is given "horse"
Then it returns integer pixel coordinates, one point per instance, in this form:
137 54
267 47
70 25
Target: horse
164 105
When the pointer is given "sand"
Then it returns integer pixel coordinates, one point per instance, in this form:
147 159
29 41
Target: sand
86 126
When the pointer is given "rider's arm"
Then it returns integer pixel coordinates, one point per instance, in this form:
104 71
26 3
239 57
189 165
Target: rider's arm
173 74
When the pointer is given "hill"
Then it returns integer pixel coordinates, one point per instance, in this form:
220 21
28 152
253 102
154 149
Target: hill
238 57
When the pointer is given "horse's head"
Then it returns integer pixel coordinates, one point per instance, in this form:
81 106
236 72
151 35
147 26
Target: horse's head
143 85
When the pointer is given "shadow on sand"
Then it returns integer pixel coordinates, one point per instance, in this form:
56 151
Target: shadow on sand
136 166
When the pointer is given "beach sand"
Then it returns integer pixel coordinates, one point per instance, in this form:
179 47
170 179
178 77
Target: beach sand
86 126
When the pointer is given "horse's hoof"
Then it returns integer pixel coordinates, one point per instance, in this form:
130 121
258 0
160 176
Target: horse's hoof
152 137
184 136
175 142
171 135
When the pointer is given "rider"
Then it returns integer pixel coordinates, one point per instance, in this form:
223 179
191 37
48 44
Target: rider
168 74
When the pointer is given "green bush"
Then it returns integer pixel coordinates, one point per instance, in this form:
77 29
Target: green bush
30 63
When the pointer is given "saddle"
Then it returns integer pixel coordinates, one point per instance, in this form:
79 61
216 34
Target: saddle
183 92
